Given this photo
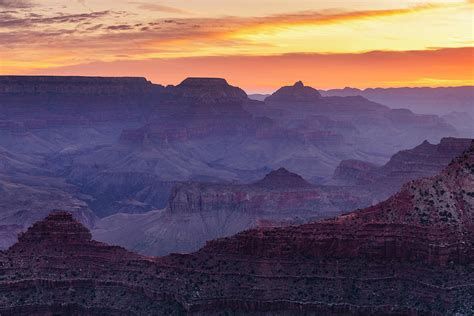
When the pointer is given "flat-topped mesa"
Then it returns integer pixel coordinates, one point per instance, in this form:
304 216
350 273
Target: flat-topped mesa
200 83
67 85
209 91
296 93
282 179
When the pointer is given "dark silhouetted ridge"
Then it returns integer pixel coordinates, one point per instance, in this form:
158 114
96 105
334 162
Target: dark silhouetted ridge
296 93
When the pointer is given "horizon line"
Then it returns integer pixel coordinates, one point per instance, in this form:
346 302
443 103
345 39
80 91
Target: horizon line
247 92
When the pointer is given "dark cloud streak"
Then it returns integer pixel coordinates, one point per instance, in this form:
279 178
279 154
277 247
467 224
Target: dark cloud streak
13 21
15 4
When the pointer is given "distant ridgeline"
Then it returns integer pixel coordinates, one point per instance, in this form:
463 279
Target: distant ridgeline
202 107
38 85
105 98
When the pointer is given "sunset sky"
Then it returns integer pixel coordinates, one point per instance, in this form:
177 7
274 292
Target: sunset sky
257 45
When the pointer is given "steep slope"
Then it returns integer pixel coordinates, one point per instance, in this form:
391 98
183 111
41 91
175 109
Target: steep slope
29 191
423 160
409 255
65 272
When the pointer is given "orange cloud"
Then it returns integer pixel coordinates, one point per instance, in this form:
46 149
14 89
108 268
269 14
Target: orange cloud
28 39
225 28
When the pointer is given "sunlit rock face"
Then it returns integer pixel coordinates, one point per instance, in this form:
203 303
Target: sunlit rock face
408 255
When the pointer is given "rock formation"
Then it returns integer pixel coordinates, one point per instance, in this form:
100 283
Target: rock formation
296 93
422 161
199 212
282 179
210 90
409 255
442 100
353 172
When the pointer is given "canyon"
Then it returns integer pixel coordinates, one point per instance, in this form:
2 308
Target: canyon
124 150
408 255
197 212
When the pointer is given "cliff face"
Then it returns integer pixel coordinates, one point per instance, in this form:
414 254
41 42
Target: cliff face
409 255
77 100
440 209
422 161
353 172
210 90
277 199
199 212
354 120
43 85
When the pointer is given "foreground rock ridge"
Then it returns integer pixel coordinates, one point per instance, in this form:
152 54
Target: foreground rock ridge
409 255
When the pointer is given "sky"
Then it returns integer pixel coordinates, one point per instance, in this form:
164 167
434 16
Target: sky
257 45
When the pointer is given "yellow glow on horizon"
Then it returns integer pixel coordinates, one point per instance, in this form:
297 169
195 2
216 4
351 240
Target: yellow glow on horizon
423 30
415 28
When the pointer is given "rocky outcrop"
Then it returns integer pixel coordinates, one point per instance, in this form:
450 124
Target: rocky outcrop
281 195
75 101
283 179
296 93
353 172
210 90
422 161
409 255
199 212
76 275
440 208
